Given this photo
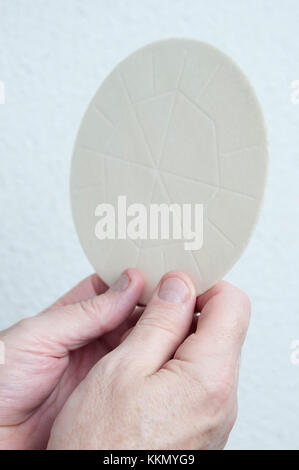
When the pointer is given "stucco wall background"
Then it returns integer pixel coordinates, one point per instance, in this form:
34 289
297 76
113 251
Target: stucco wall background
53 56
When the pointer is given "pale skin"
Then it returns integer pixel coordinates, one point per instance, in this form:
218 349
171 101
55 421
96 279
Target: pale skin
94 372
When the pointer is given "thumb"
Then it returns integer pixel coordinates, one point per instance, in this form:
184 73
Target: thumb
72 326
163 324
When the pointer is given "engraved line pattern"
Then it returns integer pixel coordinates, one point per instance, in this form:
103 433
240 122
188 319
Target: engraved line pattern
238 193
217 143
155 166
196 106
164 139
115 157
243 149
162 244
208 82
149 201
103 115
122 160
221 233
138 252
148 99
180 75
137 118
189 178
196 262
166 172
158 175
170 201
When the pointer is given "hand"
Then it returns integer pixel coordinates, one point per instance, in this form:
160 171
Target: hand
163 388
47 356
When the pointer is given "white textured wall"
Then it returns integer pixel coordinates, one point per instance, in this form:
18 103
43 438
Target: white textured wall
53 56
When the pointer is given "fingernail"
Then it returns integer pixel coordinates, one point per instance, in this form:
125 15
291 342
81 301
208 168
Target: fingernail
173 290
121 283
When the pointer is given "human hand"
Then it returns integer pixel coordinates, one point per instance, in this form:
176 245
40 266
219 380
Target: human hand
48 355
163 388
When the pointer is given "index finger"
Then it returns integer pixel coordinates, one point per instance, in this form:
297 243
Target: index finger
213 350
90 287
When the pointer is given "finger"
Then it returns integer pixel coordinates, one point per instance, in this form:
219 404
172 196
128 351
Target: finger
213 350
115 337
73 326
163 324
90 287
134 317
126 334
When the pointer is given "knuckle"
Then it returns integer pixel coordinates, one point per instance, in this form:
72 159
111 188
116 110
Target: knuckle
163 321
219 394
108 367
113 379
97 308
178 369
89 307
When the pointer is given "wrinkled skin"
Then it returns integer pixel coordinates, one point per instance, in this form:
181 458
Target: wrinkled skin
160 389
114 377
47 356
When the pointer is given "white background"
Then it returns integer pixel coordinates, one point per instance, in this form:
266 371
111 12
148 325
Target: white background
53 56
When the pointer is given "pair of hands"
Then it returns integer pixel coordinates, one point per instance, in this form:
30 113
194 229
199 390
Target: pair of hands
113 376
